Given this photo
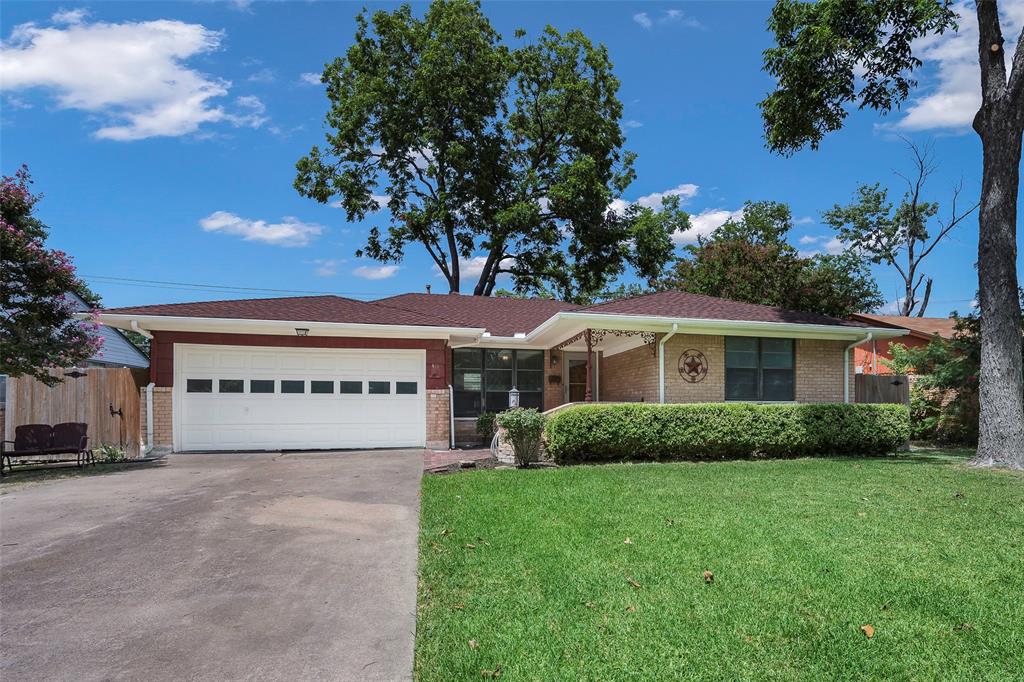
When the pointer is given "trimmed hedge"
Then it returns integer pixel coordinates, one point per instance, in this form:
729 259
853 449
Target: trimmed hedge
646 432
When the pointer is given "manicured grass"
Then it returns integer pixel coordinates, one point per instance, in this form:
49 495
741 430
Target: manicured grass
534 568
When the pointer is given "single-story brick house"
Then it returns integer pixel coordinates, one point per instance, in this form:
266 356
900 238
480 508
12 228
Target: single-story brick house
415 370
918 331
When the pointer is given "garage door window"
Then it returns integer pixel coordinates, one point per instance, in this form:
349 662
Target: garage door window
261 386
351 387
405 387
379 387
321 387
199 385
291 386
231 386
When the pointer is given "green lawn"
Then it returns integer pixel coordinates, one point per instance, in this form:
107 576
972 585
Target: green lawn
535 569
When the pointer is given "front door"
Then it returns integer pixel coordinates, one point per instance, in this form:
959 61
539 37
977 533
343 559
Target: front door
576 377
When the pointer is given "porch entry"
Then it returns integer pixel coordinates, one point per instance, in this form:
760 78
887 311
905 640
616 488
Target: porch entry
575 377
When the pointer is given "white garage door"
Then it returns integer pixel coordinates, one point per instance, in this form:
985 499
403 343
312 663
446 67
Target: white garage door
245 398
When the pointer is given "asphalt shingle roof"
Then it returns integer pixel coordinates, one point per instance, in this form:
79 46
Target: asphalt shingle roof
500 316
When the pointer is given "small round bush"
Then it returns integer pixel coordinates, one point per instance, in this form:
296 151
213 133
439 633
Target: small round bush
525 429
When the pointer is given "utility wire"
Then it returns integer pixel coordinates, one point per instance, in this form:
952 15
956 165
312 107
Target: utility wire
194 286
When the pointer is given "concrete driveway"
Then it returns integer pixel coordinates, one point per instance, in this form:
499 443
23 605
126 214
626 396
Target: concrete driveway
214 567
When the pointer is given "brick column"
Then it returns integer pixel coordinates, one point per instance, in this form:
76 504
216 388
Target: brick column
438 420
163 425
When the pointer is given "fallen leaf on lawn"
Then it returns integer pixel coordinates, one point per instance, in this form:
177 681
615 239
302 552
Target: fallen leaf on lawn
964 626
670 522
861 514
633 583
494 674
627 541
864 499
445 531
468 546
885 606
459 607
473 644
709 577
630 609
868 631
959 496
589 604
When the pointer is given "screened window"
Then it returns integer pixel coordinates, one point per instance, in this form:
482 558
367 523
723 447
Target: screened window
321 387
199 385
482 379
759 369
379 387
231 386
350 387
292 386
261 386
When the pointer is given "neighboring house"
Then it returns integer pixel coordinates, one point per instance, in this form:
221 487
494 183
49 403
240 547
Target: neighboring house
326 372
919 332
117 350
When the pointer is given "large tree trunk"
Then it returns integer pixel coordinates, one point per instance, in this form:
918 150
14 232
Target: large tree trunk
999 122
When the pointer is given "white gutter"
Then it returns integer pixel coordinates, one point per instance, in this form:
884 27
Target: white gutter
149 418
661 362
139 330
451 418
846 365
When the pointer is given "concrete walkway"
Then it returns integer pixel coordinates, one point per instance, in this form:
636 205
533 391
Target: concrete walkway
214 567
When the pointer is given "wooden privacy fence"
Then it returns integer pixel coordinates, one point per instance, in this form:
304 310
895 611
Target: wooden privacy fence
107 399
882 388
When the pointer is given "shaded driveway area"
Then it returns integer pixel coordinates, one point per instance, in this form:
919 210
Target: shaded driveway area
214 567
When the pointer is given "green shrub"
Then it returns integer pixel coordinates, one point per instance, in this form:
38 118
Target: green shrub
525 429
485 426
108 452
641 432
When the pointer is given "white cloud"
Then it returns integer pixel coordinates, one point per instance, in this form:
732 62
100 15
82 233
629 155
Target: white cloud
262 76
643 19
806 220
309 78
69 16
670 16
632 124
822 243
132 75
327 267
704 223
289 232
375 271
956 95
684 192
892 307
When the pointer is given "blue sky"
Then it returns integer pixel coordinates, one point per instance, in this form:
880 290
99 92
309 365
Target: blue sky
164 136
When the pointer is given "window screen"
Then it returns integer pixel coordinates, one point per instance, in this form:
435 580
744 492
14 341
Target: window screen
759 369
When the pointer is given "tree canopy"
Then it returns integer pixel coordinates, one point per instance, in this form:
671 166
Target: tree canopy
475 147
832 55
748 259
37 328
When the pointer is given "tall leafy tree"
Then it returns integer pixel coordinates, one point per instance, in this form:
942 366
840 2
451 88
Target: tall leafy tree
37 327
831 55
901 237
749 260
475 147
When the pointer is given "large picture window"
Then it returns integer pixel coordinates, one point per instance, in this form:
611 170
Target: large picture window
759 369
482 379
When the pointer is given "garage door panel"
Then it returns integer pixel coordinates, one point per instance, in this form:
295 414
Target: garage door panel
270 421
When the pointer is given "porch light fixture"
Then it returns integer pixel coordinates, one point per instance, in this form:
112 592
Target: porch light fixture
300 331
513 398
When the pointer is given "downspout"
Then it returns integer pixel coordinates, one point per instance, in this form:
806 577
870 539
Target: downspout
139 330
846 365
451 417
661 362
149 418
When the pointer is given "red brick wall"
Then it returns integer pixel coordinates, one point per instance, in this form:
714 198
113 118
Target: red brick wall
863 356
161 362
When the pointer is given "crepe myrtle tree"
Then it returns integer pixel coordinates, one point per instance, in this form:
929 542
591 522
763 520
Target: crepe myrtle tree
37 327
474 147
831 55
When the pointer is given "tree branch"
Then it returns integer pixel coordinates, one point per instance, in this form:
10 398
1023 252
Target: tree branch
927 295
993 65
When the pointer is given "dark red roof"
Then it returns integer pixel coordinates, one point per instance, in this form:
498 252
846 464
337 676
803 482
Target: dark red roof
921 326
293 309
499 316
697 306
